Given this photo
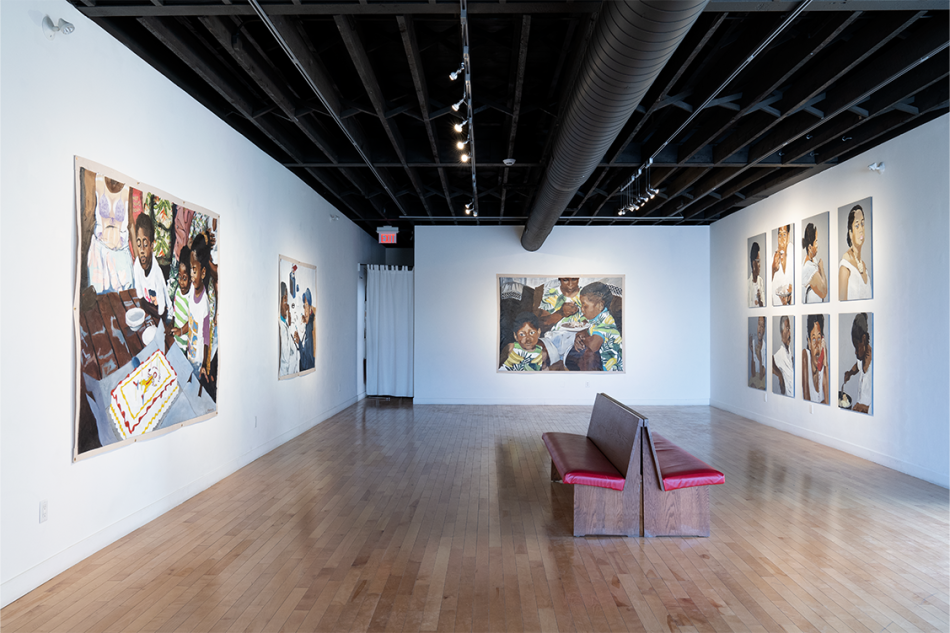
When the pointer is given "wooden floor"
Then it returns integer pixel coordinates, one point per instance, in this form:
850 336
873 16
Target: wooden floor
393 517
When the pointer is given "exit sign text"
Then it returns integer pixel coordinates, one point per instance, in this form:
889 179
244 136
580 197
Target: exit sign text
387 238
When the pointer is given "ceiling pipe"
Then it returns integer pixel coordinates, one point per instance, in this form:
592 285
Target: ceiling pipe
632 42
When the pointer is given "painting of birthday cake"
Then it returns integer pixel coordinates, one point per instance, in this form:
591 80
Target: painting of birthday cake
141 399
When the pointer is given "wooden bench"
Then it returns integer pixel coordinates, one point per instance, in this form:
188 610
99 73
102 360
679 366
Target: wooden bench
628 480
675 489
604 467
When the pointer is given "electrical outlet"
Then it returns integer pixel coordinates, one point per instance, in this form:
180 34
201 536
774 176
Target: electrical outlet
255 421
811 408
44 511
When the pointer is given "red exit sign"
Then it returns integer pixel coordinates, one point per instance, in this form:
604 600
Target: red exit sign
387 234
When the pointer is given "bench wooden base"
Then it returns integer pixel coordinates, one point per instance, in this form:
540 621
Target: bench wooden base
683 512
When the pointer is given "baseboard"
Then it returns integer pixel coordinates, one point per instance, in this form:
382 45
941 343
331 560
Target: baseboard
938 478
27 581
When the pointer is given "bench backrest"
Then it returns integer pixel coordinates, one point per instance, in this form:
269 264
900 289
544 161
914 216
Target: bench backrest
614 428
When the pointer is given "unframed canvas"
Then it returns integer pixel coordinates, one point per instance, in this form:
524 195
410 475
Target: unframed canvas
566 323
296 318
145 311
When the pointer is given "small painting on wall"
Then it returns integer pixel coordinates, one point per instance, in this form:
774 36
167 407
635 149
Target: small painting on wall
755 253
146 311
816 358
855 340
782 266
567 323
757 352
296 322
783 359
856 252
815 287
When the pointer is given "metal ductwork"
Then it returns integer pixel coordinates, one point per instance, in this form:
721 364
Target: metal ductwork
631 44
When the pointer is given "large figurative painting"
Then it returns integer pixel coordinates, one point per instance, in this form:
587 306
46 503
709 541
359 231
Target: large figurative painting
296 323
783 356
560 324
816 358
855 249
755 253
855 337
145 311
815 259
758 353
782 266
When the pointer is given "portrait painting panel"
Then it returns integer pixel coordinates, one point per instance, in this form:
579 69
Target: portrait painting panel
146 308
856 252
783 358
855 334
567 323
296 318
782 265
816 358
757 285
758 352
815 249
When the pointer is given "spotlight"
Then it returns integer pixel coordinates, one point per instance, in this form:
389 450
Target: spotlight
462 144
455 75
458 126
465 158
50 29
456 106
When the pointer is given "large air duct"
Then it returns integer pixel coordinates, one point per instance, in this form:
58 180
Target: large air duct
631 44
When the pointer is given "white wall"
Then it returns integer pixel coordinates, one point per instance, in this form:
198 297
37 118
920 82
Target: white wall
910 226
665 313
86 95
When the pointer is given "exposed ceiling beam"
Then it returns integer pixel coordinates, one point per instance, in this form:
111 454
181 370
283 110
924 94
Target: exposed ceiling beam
407 30
364 67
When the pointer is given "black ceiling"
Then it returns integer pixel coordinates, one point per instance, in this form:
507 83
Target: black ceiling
833 84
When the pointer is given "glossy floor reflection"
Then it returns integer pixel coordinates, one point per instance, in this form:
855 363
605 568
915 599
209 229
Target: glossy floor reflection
394 517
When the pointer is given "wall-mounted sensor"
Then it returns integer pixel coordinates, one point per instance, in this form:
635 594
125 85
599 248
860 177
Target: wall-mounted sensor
509 162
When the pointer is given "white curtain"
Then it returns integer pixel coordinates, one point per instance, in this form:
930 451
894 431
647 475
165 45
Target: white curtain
389 323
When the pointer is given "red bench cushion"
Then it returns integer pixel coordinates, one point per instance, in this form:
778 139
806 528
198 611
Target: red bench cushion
579 461
679 469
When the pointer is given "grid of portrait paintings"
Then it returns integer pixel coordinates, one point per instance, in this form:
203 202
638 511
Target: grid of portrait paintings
771 282
145 310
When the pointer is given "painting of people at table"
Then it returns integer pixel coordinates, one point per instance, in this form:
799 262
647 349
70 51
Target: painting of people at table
566 323
854 247
757 353
782 266
814 279
857 357
755 253
296 318
146 310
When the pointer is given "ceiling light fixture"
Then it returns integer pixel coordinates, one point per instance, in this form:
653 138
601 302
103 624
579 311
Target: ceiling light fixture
462 144
455 75
458 126
878 167
458 104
